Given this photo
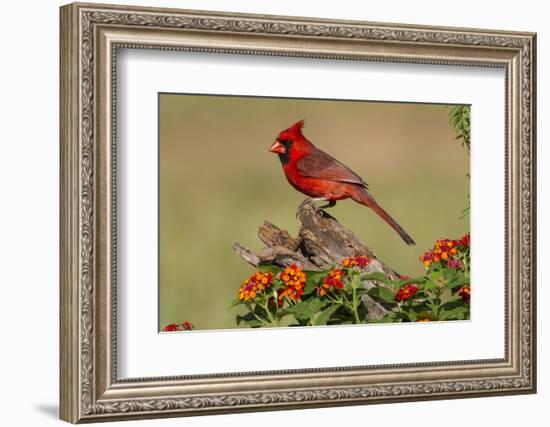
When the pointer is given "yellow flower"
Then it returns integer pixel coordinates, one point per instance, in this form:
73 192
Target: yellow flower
294 282
250 288
333 280
357 261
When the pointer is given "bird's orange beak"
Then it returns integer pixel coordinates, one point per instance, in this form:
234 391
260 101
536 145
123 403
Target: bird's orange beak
278 148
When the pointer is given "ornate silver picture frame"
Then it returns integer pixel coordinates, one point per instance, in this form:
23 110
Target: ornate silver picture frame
91 36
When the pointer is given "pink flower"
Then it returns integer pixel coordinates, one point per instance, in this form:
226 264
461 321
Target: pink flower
454 263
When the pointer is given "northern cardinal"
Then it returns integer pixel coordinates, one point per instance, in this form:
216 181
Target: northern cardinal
322 177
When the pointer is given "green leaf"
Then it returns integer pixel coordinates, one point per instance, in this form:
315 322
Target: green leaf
399 316
235 303
382 293
412 315
377 276
326 314
342 316
316 304
457 283
459 118
255 323
436 272
312 280
259 311
269 268
432 306
306 309
417 280
458 313
249 319
362 311
452 304
465 212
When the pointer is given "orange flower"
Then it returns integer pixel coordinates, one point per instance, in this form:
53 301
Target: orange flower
427 258
187 326
294 282
332 280
406 292
358 261
464 293
443 251
257 283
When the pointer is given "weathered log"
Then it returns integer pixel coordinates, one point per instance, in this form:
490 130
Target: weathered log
321 244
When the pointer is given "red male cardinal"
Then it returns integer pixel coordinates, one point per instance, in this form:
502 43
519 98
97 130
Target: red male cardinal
322 177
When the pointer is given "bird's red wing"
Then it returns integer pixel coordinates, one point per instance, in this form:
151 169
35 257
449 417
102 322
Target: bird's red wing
321 165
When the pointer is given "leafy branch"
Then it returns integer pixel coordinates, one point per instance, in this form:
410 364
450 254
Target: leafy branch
460 121
459 117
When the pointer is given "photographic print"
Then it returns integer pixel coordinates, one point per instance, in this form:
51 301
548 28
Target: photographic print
281 212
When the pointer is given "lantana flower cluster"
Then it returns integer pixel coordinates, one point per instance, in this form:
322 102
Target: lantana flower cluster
293 281
268 295
360 261
332 281
257 283
446 251
183 326
406 292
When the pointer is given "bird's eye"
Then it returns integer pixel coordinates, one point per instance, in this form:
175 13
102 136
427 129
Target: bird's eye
286 142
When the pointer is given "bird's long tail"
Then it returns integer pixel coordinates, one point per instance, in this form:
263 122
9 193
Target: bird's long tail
362 196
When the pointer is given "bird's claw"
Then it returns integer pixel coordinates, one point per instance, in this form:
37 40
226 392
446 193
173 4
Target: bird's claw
318 209
321 213
324 214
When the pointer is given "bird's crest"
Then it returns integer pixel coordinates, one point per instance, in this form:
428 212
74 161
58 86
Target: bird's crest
297 127
292 133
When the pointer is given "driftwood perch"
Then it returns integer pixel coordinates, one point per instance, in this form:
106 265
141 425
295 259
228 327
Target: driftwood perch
321 244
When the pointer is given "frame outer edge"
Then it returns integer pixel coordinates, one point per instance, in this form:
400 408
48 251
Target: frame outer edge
69 355
533 207
78 223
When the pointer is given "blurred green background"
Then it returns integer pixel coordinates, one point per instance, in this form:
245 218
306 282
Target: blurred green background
218 183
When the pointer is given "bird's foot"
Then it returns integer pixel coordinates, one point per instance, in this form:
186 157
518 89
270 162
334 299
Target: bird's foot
319 209
312 200
324 214
330 204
